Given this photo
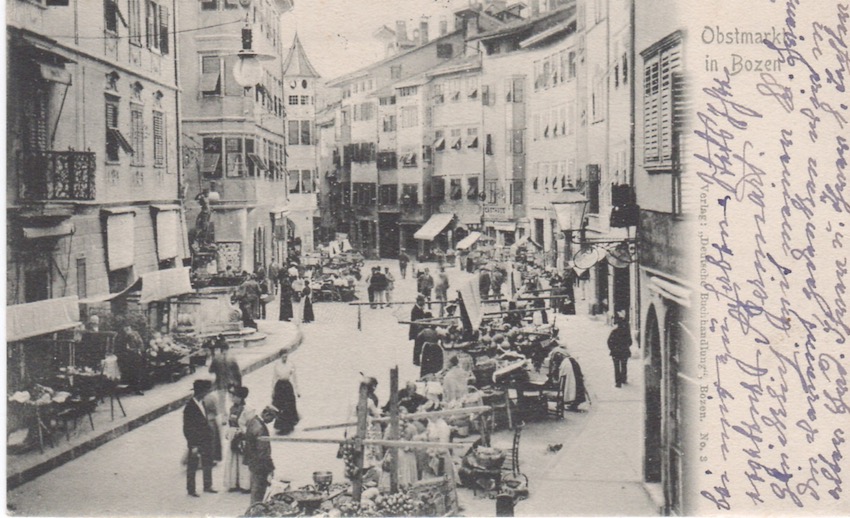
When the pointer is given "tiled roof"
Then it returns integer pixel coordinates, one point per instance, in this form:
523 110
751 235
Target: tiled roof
296 63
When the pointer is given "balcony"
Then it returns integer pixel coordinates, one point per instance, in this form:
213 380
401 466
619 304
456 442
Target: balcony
57 175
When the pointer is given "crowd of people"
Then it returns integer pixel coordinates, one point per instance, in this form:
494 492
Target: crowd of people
220 426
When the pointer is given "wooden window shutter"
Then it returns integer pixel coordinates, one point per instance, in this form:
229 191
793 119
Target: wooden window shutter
651 111
163 29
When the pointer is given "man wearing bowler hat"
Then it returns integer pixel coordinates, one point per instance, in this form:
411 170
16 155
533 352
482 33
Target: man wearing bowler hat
258 453
198 438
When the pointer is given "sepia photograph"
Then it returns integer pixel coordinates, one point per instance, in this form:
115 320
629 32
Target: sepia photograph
390 258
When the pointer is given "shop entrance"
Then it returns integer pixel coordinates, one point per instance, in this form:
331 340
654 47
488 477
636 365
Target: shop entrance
389 232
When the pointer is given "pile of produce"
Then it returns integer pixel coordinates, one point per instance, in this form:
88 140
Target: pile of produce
349 453
375 503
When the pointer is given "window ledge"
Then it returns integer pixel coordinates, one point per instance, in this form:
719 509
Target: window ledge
659 169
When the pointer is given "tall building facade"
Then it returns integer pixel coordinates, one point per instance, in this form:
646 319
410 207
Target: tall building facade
234 141
93 176
300 87
383 226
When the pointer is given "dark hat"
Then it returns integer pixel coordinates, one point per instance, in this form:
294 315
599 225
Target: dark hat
240 392
201 386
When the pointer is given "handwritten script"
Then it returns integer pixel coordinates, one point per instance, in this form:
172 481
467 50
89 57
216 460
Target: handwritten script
772 150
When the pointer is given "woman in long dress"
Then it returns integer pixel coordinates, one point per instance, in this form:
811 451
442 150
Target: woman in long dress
285 297
307 299
236 473
284 392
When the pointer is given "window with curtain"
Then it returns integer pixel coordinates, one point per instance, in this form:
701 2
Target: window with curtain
210 84
410 194
305 133
234 158
293 132
438 189
211 166
455 189
472 188
516 192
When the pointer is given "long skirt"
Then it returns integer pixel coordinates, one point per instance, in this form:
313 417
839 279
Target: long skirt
216 440
308 310
285 308
236 474
284 400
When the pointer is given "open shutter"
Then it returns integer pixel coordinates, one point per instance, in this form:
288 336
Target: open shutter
651 111
163 29
670 60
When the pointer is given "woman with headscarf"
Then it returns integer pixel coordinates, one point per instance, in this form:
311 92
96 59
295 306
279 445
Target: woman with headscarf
284 392
235 472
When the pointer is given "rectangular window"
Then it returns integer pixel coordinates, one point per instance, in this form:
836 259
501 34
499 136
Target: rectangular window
562 65
293 100
152 26
305 100
593 188
307 181
210 76
472 138
472 188
488 149
485 95
516 192
234 158
395 72
305 133
409 116
211 165
158 139
389 123
571 64
209 5
293 132
164 46
455 189
516 137
410 194
388 195
111 15
492 191
137 136
135 22
295 181
439 97
438 189
662 95
115 141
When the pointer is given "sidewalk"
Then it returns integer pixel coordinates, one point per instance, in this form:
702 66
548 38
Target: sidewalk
156 402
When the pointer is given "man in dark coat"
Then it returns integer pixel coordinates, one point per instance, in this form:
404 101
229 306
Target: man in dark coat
431 361
425 283
417 313
258 454
619 342
403 261
199 438
408 399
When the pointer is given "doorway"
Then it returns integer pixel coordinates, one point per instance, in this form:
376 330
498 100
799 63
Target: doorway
652 393
622 290
389 231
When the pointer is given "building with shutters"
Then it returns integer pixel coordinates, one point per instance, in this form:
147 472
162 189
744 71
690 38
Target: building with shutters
665 178
233 142
93 171
300 84
381 144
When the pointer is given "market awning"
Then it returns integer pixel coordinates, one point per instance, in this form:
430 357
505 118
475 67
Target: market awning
120 237
62 229
434 226
468 240
505 226
162 284
40 318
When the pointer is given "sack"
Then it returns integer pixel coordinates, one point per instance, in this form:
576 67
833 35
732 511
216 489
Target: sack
237 444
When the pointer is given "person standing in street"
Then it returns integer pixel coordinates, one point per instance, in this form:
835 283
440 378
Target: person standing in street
417 313
484 283
496 281
388 293
274 274
199 438
441 289
296 298
307 300
426 283
285 314
403 261
131 359
284 392
235 472
258 454
226 371
248 295
619 342
379 286
370 287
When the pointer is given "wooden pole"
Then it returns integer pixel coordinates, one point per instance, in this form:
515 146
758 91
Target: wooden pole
409 417
362 412
394 428
359 319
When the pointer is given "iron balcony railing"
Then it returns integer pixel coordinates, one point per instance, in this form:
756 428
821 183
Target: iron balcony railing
57 175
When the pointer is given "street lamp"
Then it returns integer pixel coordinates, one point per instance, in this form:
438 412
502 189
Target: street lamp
248 71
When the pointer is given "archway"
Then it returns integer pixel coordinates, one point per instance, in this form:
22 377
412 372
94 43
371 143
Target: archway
652 392
672 465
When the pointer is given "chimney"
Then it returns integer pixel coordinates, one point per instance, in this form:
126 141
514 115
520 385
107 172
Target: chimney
444 26
423 30
401 31
535 7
